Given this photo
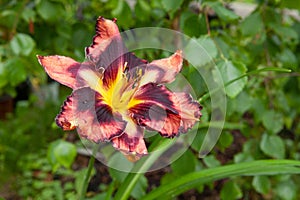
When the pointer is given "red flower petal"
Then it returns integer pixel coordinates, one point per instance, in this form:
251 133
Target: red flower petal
189 110
109 52
156 110
125 63
131 142
166 112
65 119
163 70
61 69
93 119
107 44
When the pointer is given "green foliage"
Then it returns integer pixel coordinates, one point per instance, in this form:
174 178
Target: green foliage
262 116
223 13
261 184
231 191
230 71
61 153
273 146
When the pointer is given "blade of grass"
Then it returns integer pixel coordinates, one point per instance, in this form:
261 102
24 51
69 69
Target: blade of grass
192 180
283 70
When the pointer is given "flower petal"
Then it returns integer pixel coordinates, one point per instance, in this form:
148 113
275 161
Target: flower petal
168 113
131 142
93 119
126 63
107 43
156 110
65 119
163 70
88 76
189 110
60 68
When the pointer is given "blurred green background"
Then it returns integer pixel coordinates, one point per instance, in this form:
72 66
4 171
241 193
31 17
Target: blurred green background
39 161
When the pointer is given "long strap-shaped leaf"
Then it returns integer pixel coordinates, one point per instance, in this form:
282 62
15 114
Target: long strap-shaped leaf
192 180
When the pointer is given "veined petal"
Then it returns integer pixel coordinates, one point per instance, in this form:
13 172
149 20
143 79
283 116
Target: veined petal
60 68
65 119
131 142
163 70
155 109
88 76
107 44
127 62
120 80
189 110
93 118
168 113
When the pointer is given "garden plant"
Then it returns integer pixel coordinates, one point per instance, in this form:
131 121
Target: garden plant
143 99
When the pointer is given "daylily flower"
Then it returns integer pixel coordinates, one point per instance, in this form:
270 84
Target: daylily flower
117 95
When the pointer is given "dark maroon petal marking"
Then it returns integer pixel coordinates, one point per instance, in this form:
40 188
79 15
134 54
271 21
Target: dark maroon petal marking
107 45
60 68
65 119
126 63
157 111
131 142
94 119
158 94
166 112
156 118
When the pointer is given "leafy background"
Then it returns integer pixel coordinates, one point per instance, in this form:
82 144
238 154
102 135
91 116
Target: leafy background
39 161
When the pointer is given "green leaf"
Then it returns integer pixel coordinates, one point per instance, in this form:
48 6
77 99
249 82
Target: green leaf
225 139
261 184
123 13
243 102
223 13
22 44
273 146
286 190
193 180
201 51
142 10
140 188
28 15
143 164
286 33
210 161
273 121
194 25
80 177
229 71
292 4
3 75
61 153
231 190
252 25
171 5
288 59
80 37
243 157
65 152
199 139
15 71
50 11
184 164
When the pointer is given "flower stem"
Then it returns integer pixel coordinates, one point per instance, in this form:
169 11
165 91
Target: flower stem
207 95
87 177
